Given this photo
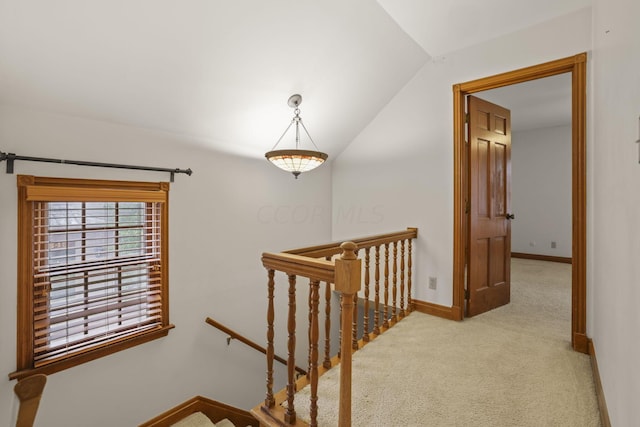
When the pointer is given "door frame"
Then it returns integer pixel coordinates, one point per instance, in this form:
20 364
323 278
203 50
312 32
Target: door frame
577 66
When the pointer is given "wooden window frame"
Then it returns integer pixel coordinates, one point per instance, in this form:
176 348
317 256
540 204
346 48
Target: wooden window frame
32 188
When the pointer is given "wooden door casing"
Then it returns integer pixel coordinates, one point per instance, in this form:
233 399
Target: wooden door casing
576 65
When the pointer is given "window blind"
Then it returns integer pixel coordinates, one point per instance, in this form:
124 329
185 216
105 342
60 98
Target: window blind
96 274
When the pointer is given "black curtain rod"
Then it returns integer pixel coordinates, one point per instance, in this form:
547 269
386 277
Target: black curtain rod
11 157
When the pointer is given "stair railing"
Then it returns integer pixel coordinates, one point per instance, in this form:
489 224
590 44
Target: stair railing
339 265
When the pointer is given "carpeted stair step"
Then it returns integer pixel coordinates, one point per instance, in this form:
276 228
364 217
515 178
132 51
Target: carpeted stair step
198 419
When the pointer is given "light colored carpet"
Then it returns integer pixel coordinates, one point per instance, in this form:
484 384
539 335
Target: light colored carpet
512 366
198 419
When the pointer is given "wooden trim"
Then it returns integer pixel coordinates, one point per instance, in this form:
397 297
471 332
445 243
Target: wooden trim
581 343
579 201
457 312
547 69
551 258
215 411
435 309
24 344
272 417
70 194
24 180
576 65
602 404
93 353
460 218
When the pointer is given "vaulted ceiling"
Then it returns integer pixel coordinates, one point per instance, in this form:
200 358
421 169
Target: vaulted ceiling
441 27
220 72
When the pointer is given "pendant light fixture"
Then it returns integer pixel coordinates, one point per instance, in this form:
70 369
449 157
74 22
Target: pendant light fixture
296 160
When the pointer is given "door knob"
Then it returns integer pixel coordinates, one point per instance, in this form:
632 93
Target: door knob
511 216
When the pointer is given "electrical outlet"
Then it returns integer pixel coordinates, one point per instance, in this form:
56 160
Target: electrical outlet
532 244
553 245
433 282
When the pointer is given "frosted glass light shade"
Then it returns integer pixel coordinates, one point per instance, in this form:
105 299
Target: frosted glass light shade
296 161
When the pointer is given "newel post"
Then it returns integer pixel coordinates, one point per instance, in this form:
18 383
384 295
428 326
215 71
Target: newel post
347 281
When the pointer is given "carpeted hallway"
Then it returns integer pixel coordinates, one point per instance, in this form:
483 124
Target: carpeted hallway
510 367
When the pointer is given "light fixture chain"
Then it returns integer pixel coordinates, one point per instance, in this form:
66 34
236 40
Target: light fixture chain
297 119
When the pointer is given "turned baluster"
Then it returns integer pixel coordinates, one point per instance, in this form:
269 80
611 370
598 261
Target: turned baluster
313 344
409 300
340 329
365 336
348 270
309 302
290 415
395 282
402 313
269 400
385 317
354 324
354 320
376 300
327 324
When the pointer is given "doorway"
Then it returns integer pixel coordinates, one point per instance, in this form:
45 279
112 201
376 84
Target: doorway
576 66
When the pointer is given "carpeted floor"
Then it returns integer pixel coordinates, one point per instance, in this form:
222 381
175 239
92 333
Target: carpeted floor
512 366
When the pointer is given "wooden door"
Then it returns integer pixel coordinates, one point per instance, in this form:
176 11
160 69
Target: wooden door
489 228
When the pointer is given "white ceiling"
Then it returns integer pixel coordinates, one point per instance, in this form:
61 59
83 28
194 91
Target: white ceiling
220 72
217 70
443 26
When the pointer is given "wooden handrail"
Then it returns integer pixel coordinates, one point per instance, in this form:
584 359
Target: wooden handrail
330 249
233 334
299 265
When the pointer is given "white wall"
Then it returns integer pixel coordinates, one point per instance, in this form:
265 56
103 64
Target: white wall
541 191
221 219
399 171
615 232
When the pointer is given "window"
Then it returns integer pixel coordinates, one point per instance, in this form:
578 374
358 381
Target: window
92 269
